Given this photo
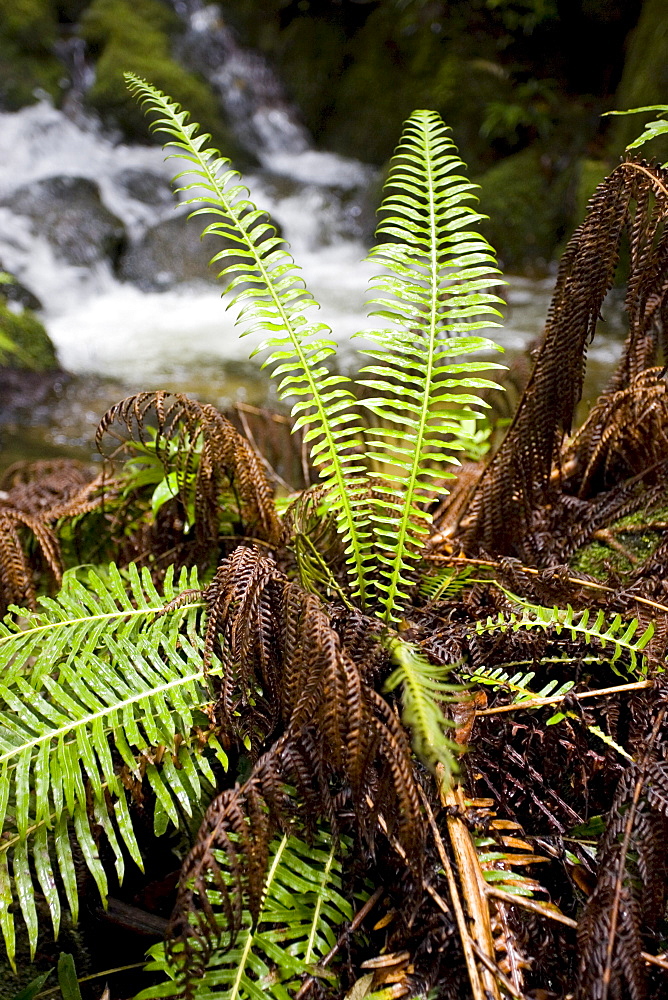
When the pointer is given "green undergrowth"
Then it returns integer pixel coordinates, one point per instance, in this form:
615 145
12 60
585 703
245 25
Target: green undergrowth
27 65
24 343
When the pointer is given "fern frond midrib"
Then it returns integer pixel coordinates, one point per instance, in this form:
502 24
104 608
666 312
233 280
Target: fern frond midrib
339 477
106 616
318 906
271 874
399 558
88 719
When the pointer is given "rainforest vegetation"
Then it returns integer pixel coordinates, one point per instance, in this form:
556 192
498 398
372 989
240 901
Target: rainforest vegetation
394 725
364 696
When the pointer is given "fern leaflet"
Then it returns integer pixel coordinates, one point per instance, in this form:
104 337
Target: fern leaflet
435 294
296 926
79 693
616 633
423 688
265 284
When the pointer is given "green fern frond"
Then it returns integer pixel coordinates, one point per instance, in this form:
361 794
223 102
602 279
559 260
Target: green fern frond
435 292
120 683
266 286
517 684
444 584
302 907
652 129
424 688
615 634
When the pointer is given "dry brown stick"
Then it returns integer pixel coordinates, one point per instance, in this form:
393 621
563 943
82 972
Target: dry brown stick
555 699
529 904
588 584
477 988
494 969
361 915
561 918
470 874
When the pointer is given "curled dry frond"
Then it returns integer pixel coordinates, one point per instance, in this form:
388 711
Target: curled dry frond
337 743
35 495
206 460
630 894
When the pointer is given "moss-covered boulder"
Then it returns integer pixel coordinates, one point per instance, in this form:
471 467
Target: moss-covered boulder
644 80
28 30
24 343
134 35
528 208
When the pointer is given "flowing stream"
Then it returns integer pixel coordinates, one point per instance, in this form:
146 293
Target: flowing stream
122 302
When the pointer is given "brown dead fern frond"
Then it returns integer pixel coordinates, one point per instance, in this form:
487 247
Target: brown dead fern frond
624 434
631 202
290 685
210 458
631 891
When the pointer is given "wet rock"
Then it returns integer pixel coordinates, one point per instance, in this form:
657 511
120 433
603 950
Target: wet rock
23 392
145 186
169 253
68 212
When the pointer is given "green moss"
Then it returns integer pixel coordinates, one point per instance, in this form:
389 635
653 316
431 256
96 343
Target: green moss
133 35
644 80
526 208
33 348
310 55
28 30
601 561
31 24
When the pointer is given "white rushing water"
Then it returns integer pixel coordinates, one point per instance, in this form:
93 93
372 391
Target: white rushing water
184 335
102 325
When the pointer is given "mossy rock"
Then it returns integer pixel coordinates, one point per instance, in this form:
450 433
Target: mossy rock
630 547
644 81
133 35
28 29
33 348
31 24
310 54
526 206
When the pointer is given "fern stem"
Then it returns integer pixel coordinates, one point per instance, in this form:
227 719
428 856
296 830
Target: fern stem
324 877
555 699
417 461
236 985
